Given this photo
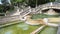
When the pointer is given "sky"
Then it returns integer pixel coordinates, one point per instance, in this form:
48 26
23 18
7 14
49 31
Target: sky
0 2
7 0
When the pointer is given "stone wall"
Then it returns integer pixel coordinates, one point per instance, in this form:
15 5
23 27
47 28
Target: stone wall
7 19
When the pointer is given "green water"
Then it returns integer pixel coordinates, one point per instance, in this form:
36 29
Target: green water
20 28
23 28
49 30
36 16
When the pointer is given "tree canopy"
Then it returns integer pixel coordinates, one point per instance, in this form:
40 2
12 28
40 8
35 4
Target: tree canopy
31 3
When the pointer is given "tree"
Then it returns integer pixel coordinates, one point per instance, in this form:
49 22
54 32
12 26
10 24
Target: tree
33 3
57 1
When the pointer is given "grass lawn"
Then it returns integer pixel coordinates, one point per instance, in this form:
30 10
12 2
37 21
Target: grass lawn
23 28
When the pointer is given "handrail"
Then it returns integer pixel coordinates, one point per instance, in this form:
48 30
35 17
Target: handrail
25 11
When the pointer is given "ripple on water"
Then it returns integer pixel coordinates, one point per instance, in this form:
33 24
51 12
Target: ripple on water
8 32
23 26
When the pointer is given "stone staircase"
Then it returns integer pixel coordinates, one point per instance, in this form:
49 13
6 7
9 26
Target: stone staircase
25 11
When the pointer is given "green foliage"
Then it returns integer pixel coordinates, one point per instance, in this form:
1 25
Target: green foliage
38 2
32 3
15 1
57 0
